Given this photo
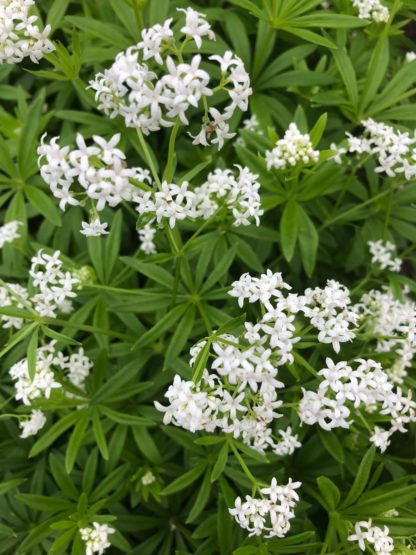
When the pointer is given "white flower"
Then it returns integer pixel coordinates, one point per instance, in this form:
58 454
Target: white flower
270 514
56 286
9 232
196 26
382 254
32 426
146 236
371 9
378 538
20 36
94 228
239 195
394 149
43 381
148 478
295 148
96 538
149 100
99 169
380 438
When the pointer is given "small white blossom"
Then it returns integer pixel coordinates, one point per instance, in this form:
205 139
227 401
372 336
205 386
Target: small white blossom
371 9
148 478
382 254
96 538
295 148
9 232
146 236
94 228
196 26
377 538
32 426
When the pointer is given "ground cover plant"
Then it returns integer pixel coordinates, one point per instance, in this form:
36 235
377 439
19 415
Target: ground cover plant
207 293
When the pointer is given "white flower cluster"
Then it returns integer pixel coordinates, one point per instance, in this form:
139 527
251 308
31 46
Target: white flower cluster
43 381
150 85
371 9
56 286
241 396
174 202
387 316
367 535
146 236
9 232
393 149
20 35
55 289
294 149
410 56
31 426
96 538
367 387
271 513
16 295
239 194
382 254
148 478
76 366
100 170
329 309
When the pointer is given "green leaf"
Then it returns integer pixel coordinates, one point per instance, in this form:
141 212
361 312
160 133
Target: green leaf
162 326
99 435
361 478
56 13
318 130
310 36
220 463
32 351
329 21
27 144
347 72
185 480
112 245
220 271
332 445
53 433
289 228
180 336
11 484
329 491
377 503
76 439
108 32
123 418
152 271
201 362
61 477
43 502
308 241
201 499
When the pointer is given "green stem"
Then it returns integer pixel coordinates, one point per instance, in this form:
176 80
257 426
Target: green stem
243 465
354 209
149 159
170 166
